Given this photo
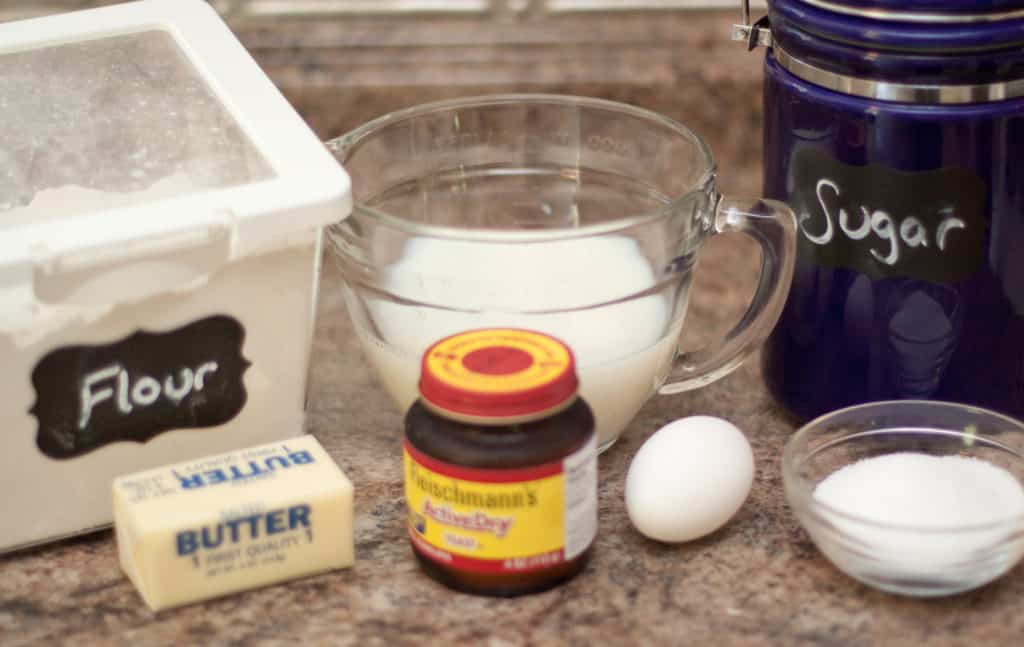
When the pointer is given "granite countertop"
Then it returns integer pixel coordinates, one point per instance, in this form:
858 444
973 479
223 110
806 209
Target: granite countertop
757 581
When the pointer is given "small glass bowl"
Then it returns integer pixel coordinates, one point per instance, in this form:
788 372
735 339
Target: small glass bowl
906 559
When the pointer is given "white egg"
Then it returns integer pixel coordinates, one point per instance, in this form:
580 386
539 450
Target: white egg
689 478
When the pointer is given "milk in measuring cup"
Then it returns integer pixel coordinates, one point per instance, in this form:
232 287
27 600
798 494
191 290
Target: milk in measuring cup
623 338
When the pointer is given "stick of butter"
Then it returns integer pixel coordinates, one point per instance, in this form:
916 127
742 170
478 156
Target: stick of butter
233 522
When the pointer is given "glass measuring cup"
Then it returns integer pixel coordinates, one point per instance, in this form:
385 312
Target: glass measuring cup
577 217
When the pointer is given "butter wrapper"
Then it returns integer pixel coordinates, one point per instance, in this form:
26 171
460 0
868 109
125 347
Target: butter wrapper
233 522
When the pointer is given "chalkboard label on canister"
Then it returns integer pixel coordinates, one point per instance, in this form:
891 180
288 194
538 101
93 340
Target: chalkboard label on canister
140 386
886 223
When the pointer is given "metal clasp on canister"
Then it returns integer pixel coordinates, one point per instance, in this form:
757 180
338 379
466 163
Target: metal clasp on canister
759 33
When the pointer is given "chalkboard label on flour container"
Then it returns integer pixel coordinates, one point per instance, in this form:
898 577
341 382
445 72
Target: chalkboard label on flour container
140 386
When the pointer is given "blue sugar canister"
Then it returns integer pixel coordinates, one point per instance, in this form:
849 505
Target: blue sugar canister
895 129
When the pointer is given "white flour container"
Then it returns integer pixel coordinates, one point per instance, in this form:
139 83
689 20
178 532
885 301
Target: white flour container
160 215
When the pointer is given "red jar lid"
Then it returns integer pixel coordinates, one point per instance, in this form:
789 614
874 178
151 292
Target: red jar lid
498 374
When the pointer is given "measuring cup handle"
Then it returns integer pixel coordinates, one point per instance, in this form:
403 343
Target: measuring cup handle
773 225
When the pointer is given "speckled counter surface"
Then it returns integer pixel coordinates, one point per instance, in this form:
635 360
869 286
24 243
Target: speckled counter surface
757 581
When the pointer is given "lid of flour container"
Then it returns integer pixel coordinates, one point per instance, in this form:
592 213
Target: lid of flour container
140 129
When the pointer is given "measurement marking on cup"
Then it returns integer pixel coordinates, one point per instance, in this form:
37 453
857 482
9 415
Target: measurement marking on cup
610 145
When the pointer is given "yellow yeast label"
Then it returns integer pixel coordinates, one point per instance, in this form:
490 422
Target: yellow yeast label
501 520
498 360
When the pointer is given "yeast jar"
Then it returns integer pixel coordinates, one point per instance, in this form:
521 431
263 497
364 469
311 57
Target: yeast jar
500 461
894 131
